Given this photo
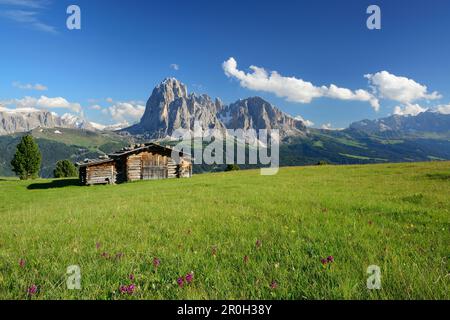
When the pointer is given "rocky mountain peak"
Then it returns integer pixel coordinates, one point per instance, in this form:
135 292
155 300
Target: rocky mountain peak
171 89
170 107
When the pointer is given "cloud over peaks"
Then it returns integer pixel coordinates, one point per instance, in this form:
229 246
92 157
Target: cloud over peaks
400 89
44 102
291 88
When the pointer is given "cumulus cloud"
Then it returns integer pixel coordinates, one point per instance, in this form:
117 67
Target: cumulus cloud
125 111
291 88
44 103
29 86
329 126
400 89
175 66
409 109
444 109
307 123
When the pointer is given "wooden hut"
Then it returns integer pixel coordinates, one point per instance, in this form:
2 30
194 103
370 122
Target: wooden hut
99 171
140 162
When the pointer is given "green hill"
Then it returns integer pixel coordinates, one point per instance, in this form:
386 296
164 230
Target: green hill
394 216
58 144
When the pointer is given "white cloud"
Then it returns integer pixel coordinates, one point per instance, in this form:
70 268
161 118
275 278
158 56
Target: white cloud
175 66
29 86
35 4
125 111
291 88
19 110
400 89
307 123
444 109
29 18
329 126
44 103
409 109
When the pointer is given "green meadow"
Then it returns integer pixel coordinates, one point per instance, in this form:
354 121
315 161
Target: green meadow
241 235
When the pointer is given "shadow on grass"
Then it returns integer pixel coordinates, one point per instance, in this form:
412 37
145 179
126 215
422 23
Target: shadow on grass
439 176
61 183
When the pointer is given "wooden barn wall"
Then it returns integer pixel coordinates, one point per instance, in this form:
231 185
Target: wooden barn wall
147 166
101 173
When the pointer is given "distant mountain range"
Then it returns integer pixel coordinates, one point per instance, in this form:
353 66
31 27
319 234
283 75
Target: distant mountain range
27 119
425 122
423 137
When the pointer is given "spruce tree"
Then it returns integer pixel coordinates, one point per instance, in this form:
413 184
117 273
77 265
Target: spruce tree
27 159
65 169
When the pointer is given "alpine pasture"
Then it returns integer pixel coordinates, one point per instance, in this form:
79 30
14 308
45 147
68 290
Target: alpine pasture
234 235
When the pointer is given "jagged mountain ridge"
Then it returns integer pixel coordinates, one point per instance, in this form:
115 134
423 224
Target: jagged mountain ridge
429 121
27 119
24 120
170 107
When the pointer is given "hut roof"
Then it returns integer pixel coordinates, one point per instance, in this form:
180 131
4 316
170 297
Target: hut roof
146 146
91 162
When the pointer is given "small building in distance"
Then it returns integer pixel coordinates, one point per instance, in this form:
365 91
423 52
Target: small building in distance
148 161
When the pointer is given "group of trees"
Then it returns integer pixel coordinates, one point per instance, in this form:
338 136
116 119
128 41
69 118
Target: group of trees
26 162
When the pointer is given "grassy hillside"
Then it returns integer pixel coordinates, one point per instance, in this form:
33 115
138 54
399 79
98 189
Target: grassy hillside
395 216
58 144
354 147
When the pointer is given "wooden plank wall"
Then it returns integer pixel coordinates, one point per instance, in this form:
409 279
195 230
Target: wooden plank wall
147 166
104 173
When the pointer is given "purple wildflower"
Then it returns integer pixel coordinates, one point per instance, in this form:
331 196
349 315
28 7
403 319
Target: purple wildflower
130 289
273 284
180 282
246 259
127 289
32 290
131 277
156 262
22 263
123 289
189 277
324 261
330 259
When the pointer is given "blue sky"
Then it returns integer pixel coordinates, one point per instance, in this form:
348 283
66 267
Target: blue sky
320 51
